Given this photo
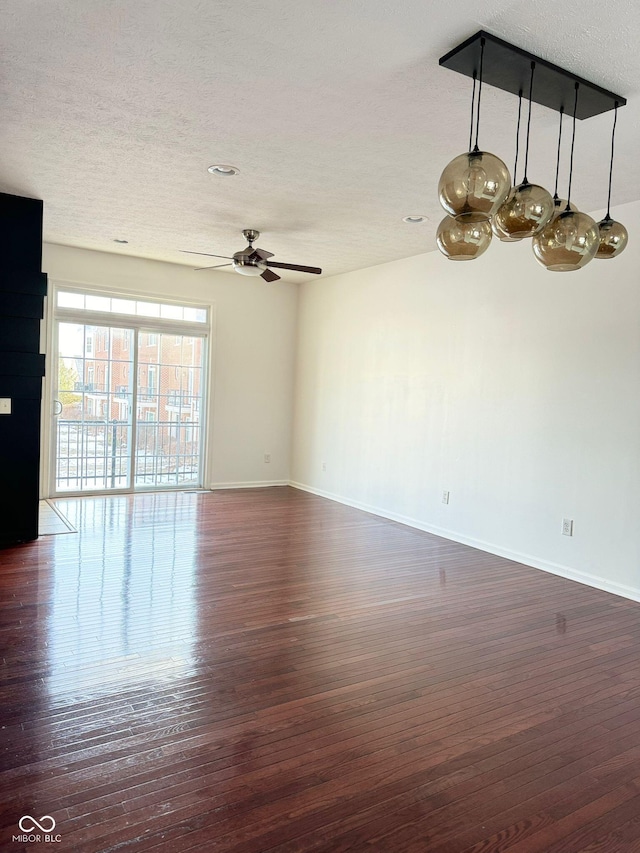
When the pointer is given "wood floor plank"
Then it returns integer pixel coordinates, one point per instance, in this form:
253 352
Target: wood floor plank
264 670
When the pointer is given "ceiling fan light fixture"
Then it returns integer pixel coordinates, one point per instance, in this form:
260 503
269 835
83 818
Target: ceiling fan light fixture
247 265
223 170
254 262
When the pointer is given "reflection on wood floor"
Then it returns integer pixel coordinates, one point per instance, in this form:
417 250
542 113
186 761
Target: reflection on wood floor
264 670
51 521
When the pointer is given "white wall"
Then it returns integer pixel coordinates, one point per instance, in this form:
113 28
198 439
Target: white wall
253 341
516 389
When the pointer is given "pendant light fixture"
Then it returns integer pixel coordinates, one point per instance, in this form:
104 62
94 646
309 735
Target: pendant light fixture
529 206
496 225
613 235
560 204
475 188
571 240
476 183
464 238
468 235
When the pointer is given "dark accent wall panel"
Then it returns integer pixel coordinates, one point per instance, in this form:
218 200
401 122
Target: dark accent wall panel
22 290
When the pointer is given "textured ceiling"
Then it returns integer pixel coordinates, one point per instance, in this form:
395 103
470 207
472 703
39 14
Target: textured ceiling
336 113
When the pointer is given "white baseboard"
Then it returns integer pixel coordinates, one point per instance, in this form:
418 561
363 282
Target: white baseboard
526 559
257 484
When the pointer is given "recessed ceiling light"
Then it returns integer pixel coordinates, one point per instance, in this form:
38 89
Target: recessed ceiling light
416 219
119 241
222 170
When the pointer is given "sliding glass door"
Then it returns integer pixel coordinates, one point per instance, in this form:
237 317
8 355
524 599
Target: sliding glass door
169 398
94 403
128 397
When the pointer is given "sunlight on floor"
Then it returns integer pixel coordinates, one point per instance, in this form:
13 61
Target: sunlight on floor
51 521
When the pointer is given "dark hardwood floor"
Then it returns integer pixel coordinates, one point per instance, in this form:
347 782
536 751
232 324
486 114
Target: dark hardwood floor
264 670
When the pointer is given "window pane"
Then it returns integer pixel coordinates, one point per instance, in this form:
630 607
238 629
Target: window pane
171 312
98 303
140 307
70 300
148 309
123 306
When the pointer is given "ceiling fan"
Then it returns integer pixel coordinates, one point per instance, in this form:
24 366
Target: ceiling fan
252 261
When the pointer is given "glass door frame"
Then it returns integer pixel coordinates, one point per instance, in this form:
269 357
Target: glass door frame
137 323
130 463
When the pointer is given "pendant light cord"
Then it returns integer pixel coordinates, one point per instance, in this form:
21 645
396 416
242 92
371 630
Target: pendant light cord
573 142
526 153
555 192
515 164
473 104
613 141
482 43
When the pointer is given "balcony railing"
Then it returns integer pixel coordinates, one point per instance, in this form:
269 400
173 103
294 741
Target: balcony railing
183 401
92 388
96 455
147 393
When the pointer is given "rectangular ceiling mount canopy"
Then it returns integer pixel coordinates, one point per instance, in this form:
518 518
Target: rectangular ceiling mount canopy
508 67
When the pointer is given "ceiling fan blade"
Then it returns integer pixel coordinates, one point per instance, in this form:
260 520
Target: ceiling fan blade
267 275
314 270
208 254
217 267
262 254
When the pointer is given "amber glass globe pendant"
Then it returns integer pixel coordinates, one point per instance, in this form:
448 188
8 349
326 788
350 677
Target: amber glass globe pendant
496 224
570 240
471 188
613 236
464 238
528 206
560 204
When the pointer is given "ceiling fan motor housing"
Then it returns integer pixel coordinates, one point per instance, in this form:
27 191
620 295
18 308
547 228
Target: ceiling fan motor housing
248 263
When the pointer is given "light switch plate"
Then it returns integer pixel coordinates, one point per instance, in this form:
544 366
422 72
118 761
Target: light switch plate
5 405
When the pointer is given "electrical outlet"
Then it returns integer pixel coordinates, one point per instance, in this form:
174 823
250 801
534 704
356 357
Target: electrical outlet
567 527
323 465
267 458
445 497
